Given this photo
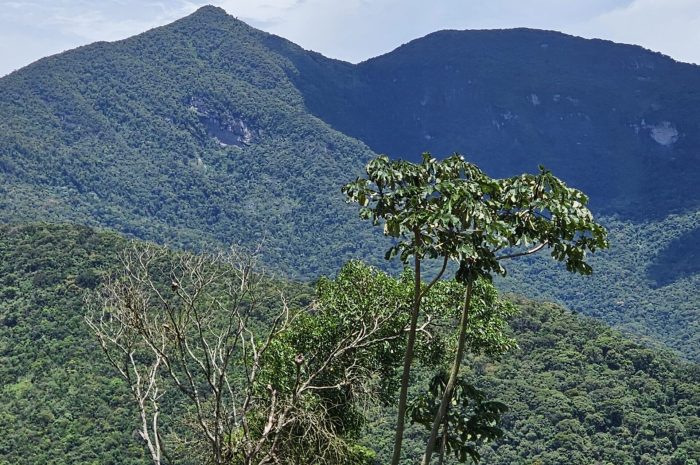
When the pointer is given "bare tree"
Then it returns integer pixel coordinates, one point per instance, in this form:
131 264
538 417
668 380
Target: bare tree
200 328
190 332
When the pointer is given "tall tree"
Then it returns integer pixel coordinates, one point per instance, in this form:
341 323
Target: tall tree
451 210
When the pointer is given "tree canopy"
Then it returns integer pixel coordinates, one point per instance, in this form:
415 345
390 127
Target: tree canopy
451 210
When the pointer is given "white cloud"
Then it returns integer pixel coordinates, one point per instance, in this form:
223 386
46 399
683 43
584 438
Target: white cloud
359 29
669 26
267 11
30 30
112 20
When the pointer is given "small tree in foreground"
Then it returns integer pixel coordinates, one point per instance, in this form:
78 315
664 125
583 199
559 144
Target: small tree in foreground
450 210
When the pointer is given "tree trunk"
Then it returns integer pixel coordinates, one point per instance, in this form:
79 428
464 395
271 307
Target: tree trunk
454 372
408 358
445 433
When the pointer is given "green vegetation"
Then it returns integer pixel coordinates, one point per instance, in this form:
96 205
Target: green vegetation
60 402
629 287
452 211
221 372
578 392
208 132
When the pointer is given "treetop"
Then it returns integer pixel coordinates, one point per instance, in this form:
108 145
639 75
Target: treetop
451 209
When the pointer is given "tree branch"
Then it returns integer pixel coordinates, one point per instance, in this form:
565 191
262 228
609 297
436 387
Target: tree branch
535 249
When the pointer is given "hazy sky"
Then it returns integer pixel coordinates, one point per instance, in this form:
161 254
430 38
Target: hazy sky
351 30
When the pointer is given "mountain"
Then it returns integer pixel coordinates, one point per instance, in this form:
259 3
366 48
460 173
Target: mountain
617 121
191 134
577 389
208 132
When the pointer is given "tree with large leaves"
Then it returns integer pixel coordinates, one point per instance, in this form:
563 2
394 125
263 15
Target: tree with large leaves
452 211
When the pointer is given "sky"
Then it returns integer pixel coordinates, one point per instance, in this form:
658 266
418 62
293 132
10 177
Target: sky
351 30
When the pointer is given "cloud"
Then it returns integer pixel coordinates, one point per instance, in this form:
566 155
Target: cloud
30 30
113 19
355 30
669 26
268 11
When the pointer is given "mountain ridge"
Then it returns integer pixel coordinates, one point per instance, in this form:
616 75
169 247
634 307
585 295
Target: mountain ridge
209 132
513 99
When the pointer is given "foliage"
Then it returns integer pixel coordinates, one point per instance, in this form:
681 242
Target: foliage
195 343
61 404
261 383
58 403
131 136
451 210
470 421
456 211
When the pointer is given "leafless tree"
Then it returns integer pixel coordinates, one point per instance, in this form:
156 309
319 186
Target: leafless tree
190 332
200 328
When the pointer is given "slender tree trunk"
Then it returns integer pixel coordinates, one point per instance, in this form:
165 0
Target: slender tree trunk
445 433
454 372
408 358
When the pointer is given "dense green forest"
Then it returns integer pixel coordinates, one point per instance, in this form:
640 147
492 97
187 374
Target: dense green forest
60 403
190 134
575 387
581 393
208 132
646 284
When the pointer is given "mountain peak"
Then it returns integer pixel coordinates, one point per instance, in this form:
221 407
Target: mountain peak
213 16
210 10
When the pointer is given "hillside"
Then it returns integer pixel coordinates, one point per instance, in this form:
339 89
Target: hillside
189 134
580 393
577 388
59 404
617 121
647 284
208 132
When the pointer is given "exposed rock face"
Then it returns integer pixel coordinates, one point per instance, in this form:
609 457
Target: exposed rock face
223 125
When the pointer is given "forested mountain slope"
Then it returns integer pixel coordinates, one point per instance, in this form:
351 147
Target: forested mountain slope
188 134
59 403
646 284
577 389
617 121
203 132
579 393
